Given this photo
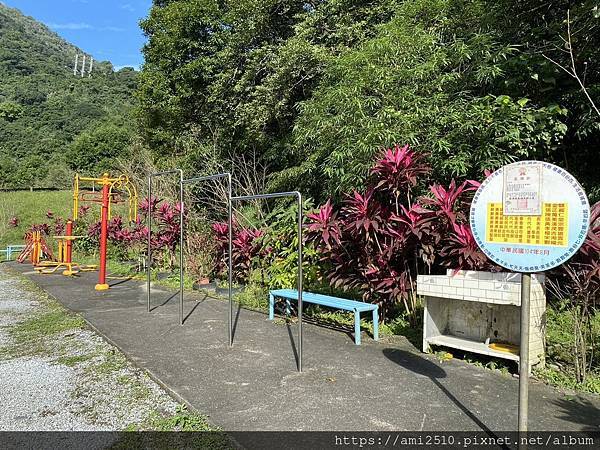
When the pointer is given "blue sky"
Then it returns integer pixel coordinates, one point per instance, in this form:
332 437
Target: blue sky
106 29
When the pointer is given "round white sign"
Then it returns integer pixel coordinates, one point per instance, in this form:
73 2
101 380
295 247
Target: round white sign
530 216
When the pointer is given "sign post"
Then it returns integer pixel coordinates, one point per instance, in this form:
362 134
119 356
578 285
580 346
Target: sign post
522 196
524 353
529 217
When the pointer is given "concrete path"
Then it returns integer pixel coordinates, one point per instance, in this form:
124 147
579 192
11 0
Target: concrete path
255 385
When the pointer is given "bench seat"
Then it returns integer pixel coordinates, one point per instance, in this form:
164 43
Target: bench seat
332 302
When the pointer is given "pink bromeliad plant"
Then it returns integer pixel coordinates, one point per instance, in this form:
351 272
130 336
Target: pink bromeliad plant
246 245
377 241
132 237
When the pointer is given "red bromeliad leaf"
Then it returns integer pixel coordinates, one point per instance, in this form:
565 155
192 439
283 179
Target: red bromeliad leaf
398 169
447 201
462 252
324 226
83 210
362 213
416 220
59 226
149 205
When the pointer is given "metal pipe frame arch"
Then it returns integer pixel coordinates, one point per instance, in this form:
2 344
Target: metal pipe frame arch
230 229
149 225
298 196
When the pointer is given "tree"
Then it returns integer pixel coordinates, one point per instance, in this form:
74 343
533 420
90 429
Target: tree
94 152
10 111
423 80
312 88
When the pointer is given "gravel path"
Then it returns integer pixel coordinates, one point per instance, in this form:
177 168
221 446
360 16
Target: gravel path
73 380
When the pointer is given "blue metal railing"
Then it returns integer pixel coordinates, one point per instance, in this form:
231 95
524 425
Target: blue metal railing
12 251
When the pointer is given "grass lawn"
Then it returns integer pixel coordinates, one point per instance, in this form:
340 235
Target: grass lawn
30 208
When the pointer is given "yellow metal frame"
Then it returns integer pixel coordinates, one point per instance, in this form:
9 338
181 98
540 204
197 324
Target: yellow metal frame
121 183
72 268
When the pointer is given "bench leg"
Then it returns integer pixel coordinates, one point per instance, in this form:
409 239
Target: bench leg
376 324
357 327
271 307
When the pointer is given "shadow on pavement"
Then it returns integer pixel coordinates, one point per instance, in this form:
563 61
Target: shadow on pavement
424 367
580 411
293 342
166 301
235 322
118 282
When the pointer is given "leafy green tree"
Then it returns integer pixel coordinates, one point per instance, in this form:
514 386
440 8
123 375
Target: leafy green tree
420 82
43 107
313 88
10 111
94 152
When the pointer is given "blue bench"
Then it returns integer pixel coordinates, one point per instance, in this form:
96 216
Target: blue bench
333 302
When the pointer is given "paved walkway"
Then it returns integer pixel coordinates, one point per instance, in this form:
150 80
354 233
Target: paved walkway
255 385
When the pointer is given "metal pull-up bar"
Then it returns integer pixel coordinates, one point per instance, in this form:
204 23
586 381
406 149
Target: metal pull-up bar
230 226
298 195
149 222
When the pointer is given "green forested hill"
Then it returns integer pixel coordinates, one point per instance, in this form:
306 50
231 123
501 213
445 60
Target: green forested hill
314 89
52 122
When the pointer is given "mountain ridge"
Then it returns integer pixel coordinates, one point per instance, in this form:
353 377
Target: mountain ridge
49 116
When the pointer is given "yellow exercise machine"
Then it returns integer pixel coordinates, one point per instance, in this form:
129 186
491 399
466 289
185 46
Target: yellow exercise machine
108 195
64 256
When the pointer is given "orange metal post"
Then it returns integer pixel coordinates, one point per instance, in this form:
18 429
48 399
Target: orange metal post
35 254
102 286
69 253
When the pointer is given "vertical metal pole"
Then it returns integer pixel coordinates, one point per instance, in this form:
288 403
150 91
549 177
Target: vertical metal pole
69 252
181 247
149 253
300 247
230 266
524 354
102 285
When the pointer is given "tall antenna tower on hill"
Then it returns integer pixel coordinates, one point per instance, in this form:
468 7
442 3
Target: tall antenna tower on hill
83 70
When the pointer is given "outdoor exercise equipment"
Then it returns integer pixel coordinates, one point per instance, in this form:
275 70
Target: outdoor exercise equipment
183 182
64 256
35 249
217 176
149 224
106 197
298 196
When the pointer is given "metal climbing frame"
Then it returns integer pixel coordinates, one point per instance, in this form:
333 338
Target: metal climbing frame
298 196
229 224
149 221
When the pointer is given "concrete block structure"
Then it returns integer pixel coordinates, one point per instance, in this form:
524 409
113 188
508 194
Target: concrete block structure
468 310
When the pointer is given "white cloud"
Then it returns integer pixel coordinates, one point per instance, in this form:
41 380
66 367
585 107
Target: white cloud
71 26
83 26
128 7
116 29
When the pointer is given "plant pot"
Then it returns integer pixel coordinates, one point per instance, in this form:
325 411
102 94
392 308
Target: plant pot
204 285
